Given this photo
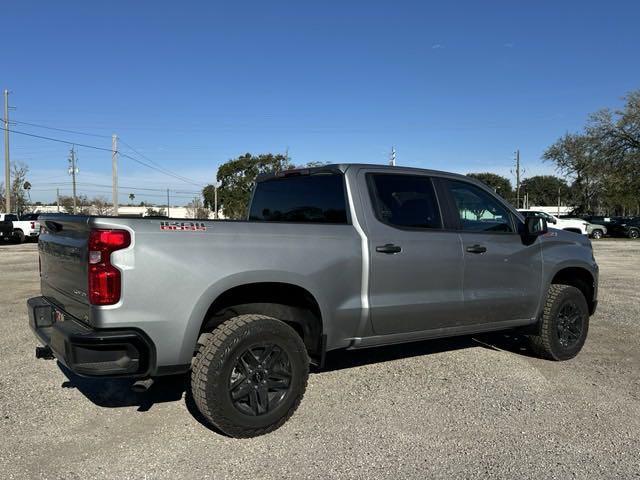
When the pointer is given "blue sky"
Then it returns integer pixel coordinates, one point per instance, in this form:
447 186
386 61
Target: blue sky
456 86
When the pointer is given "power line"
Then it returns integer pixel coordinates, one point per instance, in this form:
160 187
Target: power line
156 168
122 186
57 140
166 172
160 167
59 129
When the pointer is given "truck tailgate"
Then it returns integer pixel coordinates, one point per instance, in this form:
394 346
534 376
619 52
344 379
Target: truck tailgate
63 248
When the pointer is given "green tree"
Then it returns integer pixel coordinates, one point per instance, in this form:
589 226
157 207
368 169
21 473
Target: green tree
312 164
152 212
604 160
19 194
543 189
236 180
197 210
577 157
101 205
501 185
83 205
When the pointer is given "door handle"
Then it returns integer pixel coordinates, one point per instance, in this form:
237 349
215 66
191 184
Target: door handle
389 248
476 249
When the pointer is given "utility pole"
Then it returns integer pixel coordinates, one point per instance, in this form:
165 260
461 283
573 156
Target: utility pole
215 201
392 157
73 170
558 201
58 199
168 205
114 172
7 168
517 174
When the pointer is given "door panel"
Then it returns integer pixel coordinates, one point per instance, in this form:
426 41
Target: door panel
418 287
502 275
504 282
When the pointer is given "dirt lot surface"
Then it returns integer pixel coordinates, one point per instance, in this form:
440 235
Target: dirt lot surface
466 407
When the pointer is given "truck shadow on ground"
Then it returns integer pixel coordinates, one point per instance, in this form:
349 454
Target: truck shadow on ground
115 393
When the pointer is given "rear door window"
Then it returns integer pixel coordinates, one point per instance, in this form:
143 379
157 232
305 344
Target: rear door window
317 198
404 200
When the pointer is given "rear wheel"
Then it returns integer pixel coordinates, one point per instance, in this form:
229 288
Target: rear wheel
634 233
564 324
18 236
249 375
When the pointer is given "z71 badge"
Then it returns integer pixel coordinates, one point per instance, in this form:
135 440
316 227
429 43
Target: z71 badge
183 226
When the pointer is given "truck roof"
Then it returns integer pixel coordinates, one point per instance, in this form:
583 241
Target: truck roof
343 167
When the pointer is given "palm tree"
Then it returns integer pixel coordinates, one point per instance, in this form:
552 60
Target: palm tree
132 197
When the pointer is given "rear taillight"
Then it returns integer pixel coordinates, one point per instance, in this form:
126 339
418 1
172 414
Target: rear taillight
33 225
104 278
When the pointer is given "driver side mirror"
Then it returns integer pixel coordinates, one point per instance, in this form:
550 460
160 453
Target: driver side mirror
534 226
553 220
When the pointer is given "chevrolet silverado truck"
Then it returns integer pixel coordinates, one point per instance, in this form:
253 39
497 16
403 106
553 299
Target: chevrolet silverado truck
342 256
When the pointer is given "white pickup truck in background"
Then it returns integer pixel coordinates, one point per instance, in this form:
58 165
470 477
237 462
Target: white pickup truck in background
576 225
22 229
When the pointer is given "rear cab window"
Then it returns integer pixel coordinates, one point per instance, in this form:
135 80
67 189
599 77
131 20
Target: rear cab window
315 198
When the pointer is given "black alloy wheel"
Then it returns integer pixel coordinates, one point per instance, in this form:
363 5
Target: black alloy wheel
260 379
569 325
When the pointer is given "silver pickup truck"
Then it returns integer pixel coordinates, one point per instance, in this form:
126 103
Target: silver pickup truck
335 257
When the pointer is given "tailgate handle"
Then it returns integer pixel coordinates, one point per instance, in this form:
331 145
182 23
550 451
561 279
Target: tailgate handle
53 226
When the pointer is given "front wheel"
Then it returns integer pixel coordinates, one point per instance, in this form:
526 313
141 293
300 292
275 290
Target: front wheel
564 324
634 233
596 234
249 375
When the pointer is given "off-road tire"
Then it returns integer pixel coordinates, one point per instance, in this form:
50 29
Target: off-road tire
212 367
18 236
546 343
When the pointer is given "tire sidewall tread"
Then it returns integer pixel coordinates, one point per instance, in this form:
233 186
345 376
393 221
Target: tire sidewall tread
546 343
214 358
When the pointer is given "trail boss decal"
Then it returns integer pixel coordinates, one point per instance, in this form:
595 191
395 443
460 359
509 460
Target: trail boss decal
183 226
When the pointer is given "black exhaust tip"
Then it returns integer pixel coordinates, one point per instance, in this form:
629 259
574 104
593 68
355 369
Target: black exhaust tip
44 353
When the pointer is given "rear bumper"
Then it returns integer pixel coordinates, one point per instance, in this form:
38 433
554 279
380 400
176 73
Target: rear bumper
87 351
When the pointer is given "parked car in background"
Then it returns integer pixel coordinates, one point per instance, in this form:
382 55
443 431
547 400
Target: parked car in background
576 225
596 231
629 227
334 257
22 229
603 220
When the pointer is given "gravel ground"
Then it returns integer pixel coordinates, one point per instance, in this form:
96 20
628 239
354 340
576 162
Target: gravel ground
465 407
